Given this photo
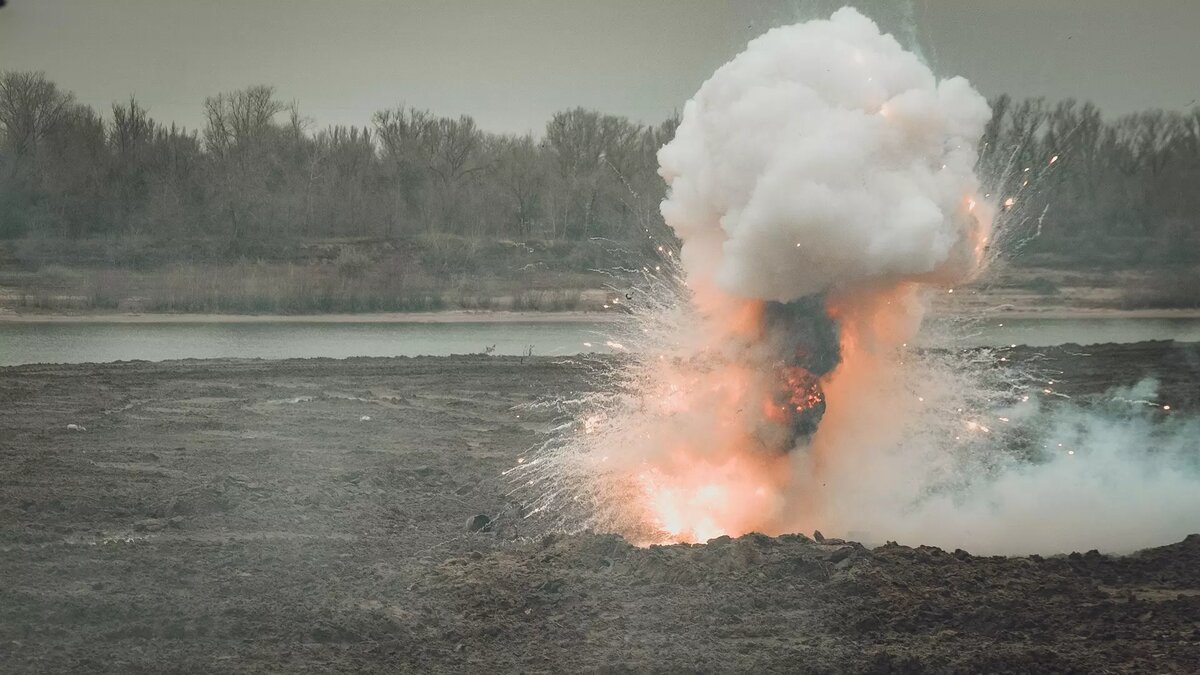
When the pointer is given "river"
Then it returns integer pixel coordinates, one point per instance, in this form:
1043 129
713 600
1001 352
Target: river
23 342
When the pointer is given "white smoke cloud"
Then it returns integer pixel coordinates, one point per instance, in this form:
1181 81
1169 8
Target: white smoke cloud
1108 476
825 155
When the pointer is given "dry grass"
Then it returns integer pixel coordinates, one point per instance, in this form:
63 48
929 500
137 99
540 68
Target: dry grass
350 285
422 273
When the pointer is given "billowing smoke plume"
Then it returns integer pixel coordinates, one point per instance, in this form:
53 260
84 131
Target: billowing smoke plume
822 183
825 156
824 160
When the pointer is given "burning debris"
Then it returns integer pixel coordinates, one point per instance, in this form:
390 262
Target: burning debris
806 339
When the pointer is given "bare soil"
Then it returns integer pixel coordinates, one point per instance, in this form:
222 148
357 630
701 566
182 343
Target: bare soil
247 516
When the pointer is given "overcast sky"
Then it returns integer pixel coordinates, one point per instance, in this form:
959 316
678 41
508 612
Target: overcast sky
511 63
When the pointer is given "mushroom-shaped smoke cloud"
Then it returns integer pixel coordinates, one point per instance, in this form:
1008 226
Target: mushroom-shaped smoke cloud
822 157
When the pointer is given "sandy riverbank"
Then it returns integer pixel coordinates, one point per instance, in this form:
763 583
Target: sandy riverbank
389 317
1006 313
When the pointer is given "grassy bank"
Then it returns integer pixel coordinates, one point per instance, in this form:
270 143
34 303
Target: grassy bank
273 288
421 275
435 273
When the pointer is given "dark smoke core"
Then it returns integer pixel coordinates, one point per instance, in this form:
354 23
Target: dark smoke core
806 340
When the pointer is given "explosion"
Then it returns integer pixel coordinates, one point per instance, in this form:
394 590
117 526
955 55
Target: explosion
817 182
821 184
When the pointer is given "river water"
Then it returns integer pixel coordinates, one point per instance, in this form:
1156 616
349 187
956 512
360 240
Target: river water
62 342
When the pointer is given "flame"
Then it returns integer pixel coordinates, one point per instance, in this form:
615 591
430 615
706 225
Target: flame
714 456
725 429
693 500
720 471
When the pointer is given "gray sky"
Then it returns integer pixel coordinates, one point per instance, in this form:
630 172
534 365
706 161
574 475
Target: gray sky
511 63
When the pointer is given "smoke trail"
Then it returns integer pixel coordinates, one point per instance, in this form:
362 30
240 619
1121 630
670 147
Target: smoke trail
821 183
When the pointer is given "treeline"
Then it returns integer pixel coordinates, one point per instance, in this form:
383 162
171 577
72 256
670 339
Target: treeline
1083 188
257 171
1086 189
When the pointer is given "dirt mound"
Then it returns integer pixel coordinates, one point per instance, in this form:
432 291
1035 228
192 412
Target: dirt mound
790 603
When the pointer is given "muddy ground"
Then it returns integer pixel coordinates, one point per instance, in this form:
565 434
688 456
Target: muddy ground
248 516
